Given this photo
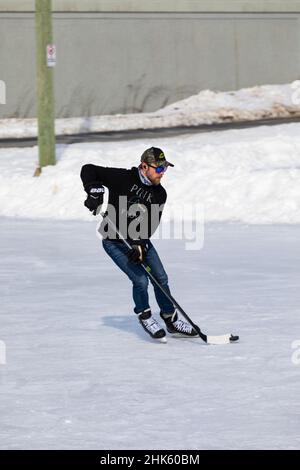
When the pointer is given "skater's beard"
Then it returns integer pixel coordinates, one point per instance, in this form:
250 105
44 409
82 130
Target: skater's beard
152 176
155 179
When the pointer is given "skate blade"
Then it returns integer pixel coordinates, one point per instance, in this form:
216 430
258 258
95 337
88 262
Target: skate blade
182 336
161 340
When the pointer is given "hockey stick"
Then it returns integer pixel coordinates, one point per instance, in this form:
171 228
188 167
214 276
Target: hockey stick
221 339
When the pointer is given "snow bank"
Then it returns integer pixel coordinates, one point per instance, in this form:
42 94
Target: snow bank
249 175
207 107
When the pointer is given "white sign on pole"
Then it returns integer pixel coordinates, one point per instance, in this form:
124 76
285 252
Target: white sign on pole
51 55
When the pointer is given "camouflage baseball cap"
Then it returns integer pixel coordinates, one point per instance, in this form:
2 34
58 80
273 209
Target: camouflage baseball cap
155 155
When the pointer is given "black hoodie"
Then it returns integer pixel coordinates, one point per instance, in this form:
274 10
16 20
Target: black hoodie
133 205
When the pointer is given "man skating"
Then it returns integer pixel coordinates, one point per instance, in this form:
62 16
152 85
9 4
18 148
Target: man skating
136 199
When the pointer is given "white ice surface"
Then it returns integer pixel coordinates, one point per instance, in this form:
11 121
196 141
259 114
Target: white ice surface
81 373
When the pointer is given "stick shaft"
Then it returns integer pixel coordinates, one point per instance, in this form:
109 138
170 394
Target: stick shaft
147 269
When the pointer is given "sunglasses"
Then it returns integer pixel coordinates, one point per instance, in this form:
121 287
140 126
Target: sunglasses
159 169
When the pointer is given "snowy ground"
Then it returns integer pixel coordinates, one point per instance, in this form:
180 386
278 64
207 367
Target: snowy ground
81 373
207 107
249 175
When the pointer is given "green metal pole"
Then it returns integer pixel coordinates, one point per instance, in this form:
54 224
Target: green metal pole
45 91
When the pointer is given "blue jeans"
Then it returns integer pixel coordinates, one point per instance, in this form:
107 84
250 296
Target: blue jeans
118 252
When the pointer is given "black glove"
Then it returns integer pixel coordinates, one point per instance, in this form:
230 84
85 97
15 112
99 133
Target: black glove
138 252
95 192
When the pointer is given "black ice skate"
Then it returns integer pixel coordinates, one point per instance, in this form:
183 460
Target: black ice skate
152 326
178 327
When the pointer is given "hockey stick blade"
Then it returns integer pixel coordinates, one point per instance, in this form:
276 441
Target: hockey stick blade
222 339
